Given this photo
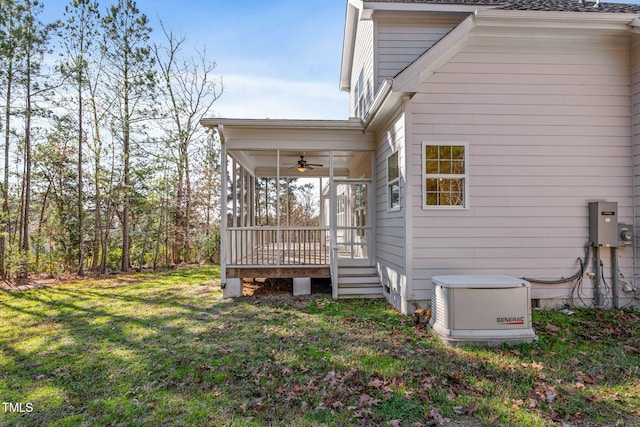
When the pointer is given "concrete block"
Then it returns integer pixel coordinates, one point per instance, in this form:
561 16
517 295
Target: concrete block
233 289
301 286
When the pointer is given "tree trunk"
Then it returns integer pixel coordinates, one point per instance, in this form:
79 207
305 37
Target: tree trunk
40 222
97 233
5 185
126 243
80 195
26 195
187 213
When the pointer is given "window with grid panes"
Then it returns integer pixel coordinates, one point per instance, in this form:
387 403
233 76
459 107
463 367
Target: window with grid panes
444 175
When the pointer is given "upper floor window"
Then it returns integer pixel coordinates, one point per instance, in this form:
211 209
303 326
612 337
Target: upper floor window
360 96
393 182
444 175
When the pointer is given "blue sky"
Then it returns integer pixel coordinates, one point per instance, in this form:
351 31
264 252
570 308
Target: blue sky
278 58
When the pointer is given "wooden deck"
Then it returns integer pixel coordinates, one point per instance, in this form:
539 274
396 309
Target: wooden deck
279 272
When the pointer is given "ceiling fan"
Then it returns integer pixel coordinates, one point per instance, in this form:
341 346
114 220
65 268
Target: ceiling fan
303 165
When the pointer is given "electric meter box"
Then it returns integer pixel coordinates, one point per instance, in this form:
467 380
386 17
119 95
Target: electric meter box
486 310
603 224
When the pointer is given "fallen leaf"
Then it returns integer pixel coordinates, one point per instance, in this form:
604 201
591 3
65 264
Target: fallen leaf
376 382
552 328
465 410
456 377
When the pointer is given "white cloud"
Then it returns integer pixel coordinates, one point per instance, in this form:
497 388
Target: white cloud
259 97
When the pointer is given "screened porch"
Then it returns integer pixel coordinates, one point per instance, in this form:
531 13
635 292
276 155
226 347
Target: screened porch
281 216
298 200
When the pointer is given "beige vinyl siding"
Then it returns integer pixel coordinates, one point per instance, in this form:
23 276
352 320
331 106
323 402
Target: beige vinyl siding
362 60
635 93
390 225
548 132
400 41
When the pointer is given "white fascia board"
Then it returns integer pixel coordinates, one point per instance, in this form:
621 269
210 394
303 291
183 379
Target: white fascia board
371 7
267 134
351 124
409 79
384 104
381 98
349 42
554 20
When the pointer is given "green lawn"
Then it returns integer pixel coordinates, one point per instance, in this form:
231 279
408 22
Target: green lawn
167 350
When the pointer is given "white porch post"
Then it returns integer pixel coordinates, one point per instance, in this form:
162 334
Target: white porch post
223 208
333 258
278 229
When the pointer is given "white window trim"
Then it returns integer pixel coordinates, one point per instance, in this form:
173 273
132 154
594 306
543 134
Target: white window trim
465 176
390 182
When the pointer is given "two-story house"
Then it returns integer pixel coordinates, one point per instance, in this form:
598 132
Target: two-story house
480 132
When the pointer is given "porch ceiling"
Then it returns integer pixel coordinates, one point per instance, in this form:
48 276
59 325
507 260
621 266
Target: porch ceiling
255 143
263 162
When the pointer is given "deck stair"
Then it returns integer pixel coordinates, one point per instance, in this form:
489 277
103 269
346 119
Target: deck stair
359 282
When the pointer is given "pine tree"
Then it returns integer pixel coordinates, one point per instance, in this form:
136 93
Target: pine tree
132 81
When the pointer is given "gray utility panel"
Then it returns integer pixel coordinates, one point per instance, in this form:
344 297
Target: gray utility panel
603 224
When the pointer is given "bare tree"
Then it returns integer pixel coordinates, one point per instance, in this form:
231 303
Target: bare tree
190 90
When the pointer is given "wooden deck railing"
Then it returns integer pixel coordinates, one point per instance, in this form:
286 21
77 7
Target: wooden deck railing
257 246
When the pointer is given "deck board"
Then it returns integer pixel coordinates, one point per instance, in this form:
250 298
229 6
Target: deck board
279 272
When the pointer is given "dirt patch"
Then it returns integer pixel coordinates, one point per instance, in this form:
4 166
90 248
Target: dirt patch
281 287
266 286
32 282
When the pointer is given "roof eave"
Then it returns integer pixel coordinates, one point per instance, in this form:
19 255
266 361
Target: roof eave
372 7
214 123
358 10
554 20
349 43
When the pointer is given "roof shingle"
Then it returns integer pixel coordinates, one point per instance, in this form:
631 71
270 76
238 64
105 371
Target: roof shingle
541 5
